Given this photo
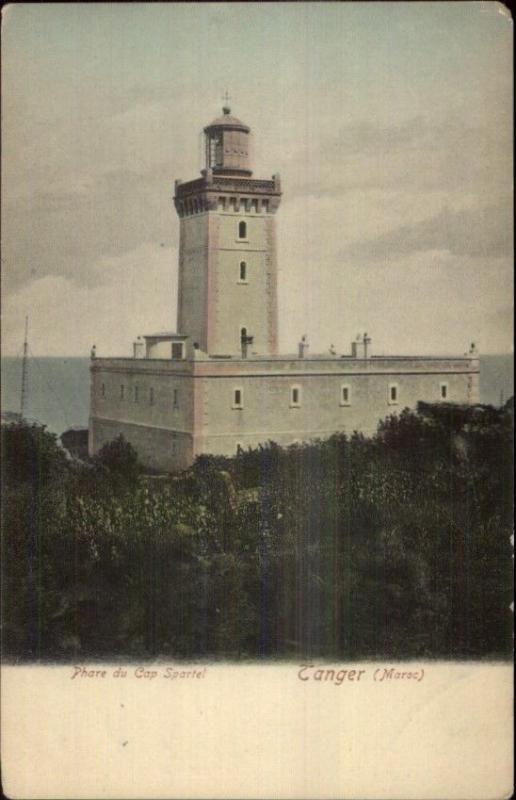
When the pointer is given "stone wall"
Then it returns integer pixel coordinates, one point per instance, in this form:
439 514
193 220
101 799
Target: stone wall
183 409
154 410
157 448
269 413
214 302
192 278
241 304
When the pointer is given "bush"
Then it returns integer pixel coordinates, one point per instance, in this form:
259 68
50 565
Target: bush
394 546
118 461
30 454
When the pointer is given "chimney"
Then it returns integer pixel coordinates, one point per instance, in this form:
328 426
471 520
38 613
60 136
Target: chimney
367 342
361 347
245 341
303 346
139 348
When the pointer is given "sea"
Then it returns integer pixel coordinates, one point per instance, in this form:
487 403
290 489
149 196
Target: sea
58 388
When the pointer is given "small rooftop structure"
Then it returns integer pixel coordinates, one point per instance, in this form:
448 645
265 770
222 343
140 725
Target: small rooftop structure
163 344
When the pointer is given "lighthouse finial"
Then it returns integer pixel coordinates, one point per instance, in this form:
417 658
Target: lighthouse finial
225 108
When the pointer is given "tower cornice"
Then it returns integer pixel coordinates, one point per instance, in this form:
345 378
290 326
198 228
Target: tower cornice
202 194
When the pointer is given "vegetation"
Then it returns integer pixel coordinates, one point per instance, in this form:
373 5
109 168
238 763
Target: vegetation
393 546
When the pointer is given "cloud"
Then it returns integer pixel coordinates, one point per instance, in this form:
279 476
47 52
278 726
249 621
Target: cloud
415 155
64 232
78 190
477 233
133 293
425 302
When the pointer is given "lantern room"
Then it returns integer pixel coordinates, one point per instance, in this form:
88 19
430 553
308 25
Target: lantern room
228 145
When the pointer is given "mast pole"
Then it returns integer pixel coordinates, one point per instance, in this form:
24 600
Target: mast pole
25 372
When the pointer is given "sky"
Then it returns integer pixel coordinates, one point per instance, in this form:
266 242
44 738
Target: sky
389 123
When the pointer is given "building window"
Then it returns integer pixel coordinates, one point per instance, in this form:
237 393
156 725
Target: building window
345 395
122 391
393 394
242 229
151 396
136 391
103 390
177 350
175 398
444 391
243 272
238 398
295 396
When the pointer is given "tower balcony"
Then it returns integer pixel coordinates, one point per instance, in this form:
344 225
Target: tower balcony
227 193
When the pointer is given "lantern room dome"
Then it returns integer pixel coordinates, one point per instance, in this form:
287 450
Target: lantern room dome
227 120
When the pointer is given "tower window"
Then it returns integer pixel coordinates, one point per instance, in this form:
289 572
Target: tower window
122 391
177 350
136 393
175 398
238 398
444 391
295 396
393 393
243 272
242 229
151 396
345 395
103 390
218 152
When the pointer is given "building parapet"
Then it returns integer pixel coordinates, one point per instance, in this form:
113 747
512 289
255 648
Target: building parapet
143 365
289 365
223 184
314 365
210 191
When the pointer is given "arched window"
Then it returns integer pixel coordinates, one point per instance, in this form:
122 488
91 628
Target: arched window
243 271
242 230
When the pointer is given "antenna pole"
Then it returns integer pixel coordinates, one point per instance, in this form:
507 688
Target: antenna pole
225 100
25 372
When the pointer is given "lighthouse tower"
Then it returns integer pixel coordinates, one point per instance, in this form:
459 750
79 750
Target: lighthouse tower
227 294
218 385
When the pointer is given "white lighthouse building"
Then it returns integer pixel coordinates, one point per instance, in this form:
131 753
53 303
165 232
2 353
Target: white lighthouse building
218 383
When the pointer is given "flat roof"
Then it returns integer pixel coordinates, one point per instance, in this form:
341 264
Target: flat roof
165 335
